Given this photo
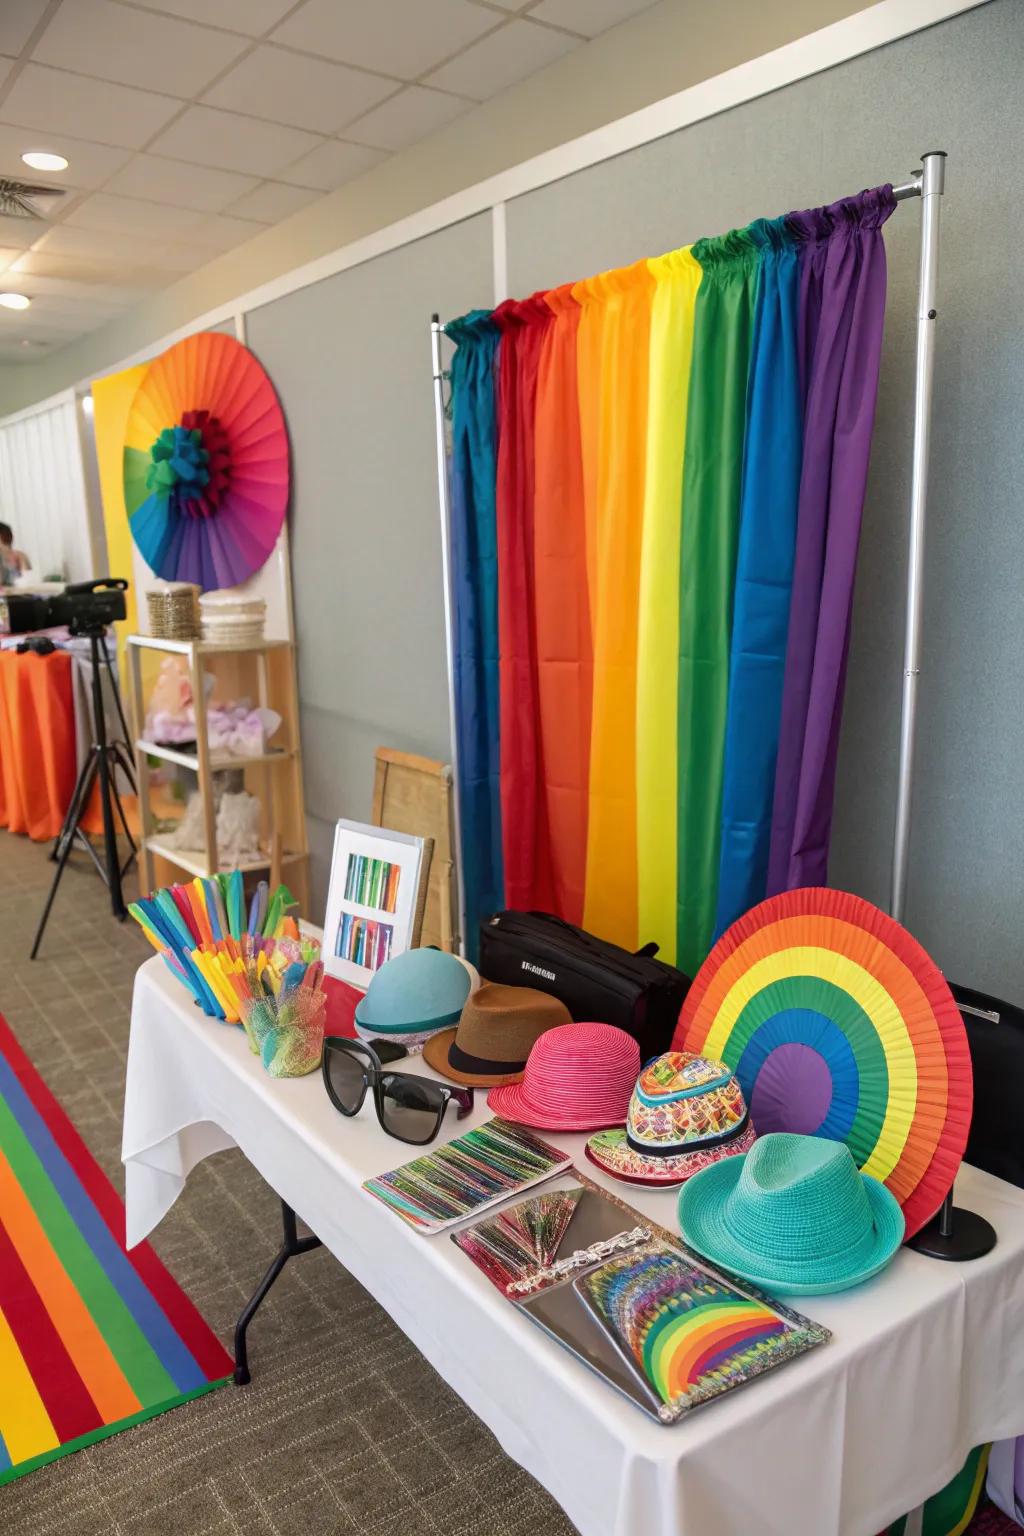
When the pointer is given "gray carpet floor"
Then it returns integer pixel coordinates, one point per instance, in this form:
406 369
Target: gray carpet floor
345 1427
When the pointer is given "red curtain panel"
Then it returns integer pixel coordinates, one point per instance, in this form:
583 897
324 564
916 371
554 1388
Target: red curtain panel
525 842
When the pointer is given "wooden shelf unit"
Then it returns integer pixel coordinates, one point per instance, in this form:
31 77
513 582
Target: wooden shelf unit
278 770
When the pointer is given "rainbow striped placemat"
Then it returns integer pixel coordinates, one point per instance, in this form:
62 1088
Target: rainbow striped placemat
92 1338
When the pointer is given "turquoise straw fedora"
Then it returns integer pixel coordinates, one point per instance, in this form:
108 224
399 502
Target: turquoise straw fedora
415 993
793 1215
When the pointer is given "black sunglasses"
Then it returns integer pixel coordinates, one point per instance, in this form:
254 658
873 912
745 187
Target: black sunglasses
409 1108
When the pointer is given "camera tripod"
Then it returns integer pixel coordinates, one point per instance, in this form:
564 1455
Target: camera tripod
100 765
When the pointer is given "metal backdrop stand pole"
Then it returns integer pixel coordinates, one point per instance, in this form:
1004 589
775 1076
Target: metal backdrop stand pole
931 186
954 1233
444 504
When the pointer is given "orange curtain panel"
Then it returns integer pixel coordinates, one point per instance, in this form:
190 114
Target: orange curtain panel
610 906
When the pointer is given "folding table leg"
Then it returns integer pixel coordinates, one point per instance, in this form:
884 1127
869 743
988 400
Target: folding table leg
292 1245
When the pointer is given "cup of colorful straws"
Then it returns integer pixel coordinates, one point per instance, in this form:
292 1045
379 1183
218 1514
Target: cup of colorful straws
254 970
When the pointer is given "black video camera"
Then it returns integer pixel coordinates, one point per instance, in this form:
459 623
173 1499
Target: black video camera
86 607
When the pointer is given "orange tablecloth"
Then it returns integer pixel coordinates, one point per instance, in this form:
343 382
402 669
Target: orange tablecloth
37 742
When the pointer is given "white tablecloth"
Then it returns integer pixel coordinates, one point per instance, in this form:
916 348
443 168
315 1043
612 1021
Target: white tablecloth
927 1360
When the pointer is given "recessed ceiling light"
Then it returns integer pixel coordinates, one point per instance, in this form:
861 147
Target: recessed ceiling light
15 300
43 160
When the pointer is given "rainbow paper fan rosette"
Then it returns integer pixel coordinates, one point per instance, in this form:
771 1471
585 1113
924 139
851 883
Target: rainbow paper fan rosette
206 463
837 1023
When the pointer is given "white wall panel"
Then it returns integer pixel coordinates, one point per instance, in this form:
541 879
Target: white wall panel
42 491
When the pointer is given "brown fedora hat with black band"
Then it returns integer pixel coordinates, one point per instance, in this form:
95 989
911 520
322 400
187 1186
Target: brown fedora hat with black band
498 1028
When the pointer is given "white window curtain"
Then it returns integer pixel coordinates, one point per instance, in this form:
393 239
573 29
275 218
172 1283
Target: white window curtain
42 491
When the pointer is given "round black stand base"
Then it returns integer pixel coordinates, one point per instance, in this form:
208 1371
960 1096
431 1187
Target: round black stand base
970 1237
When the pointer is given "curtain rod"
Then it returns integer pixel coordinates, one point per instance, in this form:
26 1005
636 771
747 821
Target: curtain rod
905 189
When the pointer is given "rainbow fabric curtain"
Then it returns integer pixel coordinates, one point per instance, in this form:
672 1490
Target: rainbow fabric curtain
658 475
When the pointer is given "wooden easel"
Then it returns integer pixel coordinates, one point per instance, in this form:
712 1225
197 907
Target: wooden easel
413 794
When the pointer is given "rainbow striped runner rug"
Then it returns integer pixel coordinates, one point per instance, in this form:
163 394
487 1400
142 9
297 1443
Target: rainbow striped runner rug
92 1338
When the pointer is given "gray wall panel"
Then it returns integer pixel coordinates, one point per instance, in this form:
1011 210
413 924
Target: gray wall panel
350 359
956 86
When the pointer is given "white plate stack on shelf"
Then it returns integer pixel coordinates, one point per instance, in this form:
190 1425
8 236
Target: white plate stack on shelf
229 618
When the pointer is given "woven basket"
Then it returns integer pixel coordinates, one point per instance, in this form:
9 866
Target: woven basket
173 614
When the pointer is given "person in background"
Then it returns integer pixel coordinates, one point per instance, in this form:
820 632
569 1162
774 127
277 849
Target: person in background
12 561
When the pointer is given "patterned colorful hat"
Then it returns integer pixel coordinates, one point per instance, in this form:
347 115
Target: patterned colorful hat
686 1112
578 1077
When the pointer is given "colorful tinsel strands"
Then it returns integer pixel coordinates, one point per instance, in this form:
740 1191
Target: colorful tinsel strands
658 475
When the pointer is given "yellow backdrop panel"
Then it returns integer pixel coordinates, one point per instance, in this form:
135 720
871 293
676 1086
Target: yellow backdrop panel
112 398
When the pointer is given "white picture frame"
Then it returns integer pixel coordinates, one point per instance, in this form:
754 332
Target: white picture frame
374 899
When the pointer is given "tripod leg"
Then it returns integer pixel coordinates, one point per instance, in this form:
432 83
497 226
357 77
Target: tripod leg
75 806
119 807
91 851
112 858
64 844
115 690
126 766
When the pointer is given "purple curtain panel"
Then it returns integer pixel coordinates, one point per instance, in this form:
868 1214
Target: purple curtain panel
840 323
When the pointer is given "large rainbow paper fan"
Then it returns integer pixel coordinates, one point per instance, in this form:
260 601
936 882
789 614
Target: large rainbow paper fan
837 1023
206 463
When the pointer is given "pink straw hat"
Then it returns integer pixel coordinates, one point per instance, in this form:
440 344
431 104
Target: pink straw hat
579 1077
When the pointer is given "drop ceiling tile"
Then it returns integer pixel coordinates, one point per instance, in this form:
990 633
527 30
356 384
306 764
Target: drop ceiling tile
20 232
273 201
294 88
18 18
501 60
32 338
105 293
106 211
253 17
152 278
183 186
89 165
116 42
393 36
6 65
209 137
53 309
409 116
93 245
8 256
223 233
118 268
332 165
179 257
588 16
53 100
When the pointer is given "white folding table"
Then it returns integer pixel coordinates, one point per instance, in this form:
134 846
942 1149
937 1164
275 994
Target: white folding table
926 1360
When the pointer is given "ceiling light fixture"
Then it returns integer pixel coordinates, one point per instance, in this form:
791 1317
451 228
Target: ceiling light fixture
15 300
43 160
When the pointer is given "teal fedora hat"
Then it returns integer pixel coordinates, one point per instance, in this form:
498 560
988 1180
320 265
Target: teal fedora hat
793 1214
415 993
